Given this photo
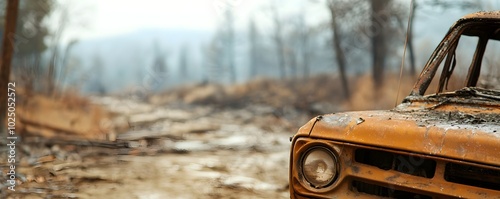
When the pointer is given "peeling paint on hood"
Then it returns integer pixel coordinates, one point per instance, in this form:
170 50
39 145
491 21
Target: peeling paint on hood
471 135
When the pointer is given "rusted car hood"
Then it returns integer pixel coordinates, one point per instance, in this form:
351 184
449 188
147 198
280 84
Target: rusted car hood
414 127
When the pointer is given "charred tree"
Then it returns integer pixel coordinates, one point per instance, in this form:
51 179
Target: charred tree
291 56
159 68
97 79
63 71
53 64
279 41
253 49
7 51
183 62
411 52
378 40
339 51
230 44
304 34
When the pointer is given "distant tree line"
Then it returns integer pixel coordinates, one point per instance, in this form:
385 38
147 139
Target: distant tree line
368 30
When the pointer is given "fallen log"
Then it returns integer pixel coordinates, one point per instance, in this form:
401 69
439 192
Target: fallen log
147 134
79 142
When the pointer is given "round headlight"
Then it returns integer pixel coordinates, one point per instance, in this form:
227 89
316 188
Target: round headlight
319 166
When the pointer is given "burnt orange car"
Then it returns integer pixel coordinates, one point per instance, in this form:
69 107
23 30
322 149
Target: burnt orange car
443 143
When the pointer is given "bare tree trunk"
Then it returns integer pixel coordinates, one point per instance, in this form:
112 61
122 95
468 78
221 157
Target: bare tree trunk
304 33
305 60
339 52
183 61
231 41
281 57
278 40
51 73
63 71
411 51
292 62
7 51
252 36
378 40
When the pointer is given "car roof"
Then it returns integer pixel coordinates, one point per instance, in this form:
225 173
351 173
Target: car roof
482 15
485 23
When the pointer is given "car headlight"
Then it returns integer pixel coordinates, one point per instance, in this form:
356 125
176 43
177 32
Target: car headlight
319 167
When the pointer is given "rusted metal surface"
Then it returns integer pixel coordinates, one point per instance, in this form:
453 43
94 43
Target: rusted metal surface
455 136
463 134
469 136
351 170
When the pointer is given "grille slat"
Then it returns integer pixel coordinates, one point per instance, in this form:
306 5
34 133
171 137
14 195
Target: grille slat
473 176
412 165
377 190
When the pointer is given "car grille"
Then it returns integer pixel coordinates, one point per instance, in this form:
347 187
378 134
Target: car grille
423 167
412 165
385 192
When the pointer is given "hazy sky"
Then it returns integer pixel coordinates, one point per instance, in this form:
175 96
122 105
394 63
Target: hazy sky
113 17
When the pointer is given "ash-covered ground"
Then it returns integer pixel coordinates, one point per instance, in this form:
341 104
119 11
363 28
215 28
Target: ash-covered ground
166 151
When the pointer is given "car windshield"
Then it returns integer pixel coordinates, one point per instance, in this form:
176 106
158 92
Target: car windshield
472 61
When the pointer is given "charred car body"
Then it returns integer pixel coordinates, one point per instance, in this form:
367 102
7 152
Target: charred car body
439 145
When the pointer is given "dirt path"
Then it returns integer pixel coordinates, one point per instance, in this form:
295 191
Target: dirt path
174 153
221 174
